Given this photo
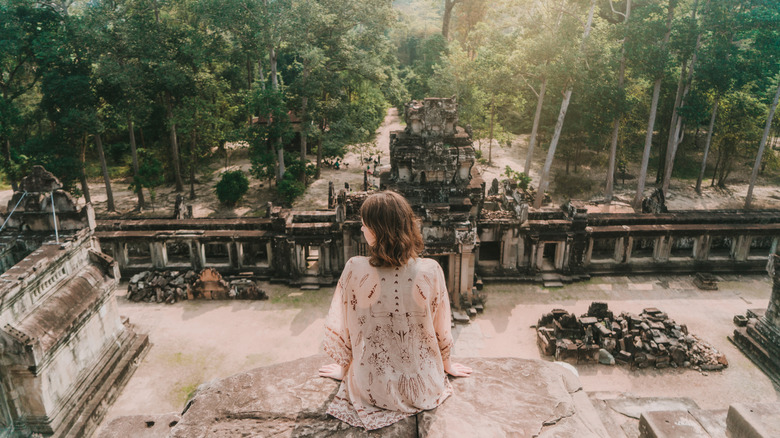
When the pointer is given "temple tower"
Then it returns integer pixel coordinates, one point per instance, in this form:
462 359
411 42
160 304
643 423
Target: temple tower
432 165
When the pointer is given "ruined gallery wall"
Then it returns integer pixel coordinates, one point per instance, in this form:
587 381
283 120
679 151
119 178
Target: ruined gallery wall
59 319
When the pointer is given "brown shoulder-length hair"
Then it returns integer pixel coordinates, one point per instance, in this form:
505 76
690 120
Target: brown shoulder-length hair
392 220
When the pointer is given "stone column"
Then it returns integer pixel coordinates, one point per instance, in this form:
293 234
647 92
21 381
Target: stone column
566 252
629 247
539 262
701 247
532 265
741 248
662 248
773 310
239 254
588 252
232 251
466 274
159 255
521 253
508 255
200 255
620 250
560 251
269 256
325 265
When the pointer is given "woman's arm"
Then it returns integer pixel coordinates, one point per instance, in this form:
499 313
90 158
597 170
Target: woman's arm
442 322
337 341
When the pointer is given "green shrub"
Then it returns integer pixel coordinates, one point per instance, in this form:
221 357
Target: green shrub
520 177
231 187
290 188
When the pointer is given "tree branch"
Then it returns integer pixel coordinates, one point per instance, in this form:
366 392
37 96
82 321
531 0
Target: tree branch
614 11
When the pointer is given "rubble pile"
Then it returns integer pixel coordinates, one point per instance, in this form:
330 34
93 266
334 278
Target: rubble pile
172 286
644 340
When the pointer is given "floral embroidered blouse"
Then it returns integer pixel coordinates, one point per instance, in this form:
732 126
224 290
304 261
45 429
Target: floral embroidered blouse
389 329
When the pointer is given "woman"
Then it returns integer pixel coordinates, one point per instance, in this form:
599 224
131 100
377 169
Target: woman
388 328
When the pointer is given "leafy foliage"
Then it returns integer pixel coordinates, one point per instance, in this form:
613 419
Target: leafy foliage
520 178
231 187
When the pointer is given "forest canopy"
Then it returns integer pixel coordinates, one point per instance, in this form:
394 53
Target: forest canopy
144 88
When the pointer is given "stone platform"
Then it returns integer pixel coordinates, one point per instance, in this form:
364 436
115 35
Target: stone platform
504 397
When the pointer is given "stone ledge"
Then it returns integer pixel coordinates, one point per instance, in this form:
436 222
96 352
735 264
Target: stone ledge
753 420
504 397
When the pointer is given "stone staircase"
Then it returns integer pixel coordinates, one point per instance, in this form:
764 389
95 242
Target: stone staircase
310 283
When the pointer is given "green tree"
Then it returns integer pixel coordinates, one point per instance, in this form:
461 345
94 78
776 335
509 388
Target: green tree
150 174
232 187
24 28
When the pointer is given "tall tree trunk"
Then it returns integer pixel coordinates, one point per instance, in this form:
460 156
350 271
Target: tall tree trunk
608 191
544 181
446 17
193 157
260 75
717 166
275 86
7 151
672 137
761 147
319 148
304 123
109 193
651 120
134 153
304 139
174 145
11 178
535 128
272 60
551 152
83 170
648 143
490 145
675 136
249 71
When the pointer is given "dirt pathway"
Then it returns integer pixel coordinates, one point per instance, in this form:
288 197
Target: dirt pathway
316 196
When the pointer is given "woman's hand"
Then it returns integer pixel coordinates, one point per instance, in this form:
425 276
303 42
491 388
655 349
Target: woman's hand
458 370
334 371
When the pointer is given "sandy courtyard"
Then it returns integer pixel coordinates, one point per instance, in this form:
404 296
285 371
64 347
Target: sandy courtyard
194 342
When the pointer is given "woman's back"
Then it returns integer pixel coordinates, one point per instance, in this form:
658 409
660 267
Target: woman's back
388 328
395 329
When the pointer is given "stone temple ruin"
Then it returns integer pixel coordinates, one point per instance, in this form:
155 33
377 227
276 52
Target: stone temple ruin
64 351
474 236
759 336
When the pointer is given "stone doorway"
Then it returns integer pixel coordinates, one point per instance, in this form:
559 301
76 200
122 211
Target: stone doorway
548 256
312 259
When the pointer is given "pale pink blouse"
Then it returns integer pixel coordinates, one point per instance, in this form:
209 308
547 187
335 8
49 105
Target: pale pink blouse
389 328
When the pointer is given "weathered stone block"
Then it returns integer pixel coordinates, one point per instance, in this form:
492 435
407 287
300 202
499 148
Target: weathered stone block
289 400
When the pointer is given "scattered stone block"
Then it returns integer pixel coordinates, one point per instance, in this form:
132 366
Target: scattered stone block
460 317
670 424
753 420
645 340
705 281
606 358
